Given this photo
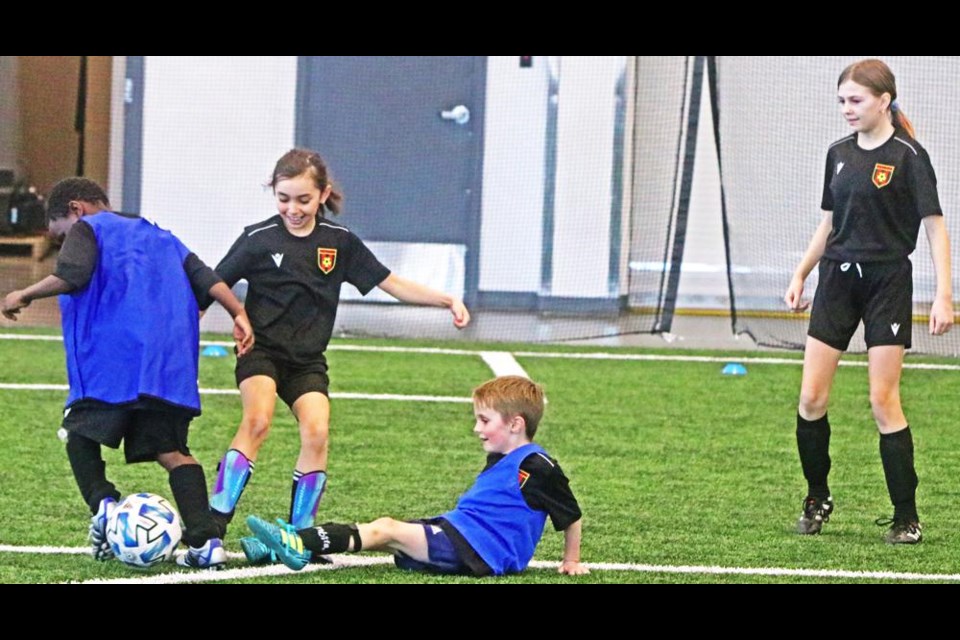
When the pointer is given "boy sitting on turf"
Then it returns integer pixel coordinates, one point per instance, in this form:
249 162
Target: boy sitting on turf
496 524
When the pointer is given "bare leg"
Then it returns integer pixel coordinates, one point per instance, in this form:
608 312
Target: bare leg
312 411
259 397
395 535
886 365
820 362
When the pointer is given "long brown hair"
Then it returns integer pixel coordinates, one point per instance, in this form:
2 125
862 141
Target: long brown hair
298 162
876 76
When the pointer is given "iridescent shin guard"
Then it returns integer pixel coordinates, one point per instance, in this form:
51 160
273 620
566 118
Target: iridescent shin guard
233 473
305 498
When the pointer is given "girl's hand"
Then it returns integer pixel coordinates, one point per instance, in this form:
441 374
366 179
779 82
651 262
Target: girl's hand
461 317
794 296
941 317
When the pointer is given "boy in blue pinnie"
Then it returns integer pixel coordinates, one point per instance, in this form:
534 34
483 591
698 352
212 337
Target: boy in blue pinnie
128 303
497 523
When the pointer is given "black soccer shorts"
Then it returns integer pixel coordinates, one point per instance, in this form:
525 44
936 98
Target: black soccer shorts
292 381
146 427
878 293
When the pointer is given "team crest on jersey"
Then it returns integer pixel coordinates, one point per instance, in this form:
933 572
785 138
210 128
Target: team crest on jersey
523 476
882 175
326 259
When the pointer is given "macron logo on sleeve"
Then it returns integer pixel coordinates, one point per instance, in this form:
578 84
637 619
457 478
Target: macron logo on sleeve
277 257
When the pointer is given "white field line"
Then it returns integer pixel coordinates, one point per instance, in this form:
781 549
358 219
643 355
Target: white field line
573 356
180 577
762 571
235 392
341 561
502 363
723 359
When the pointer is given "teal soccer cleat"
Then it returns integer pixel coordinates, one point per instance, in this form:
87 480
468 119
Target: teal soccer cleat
257 553
283 540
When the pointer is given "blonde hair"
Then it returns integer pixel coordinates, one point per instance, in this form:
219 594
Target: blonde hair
876 76
513 396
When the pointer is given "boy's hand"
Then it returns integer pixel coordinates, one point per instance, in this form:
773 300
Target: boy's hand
571 568
13 303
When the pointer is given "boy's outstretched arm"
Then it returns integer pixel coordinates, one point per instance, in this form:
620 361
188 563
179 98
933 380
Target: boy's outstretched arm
571 564
14 301
242 330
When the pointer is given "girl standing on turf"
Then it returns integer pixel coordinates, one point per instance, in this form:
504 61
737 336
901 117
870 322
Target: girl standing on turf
879 186
295 263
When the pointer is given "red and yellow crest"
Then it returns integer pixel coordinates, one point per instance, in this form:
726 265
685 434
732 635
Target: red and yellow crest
326 259
523 476
882 175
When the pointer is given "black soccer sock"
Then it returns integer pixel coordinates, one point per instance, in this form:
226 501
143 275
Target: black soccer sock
89 470
813 443
189 486
331 537
896 452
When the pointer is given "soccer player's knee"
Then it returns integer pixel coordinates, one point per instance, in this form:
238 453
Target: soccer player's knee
314 435
884 402
813 402
257 426
174 459
383 528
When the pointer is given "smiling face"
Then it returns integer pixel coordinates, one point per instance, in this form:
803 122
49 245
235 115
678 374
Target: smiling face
298 200
498 433
863 110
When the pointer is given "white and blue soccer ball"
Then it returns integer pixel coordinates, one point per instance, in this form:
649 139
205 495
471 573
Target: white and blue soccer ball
144 530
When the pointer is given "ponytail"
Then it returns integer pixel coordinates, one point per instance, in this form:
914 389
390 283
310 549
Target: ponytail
900 120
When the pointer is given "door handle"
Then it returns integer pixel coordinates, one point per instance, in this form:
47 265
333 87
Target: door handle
459 114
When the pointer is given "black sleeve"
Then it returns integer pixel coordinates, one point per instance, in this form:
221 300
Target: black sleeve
233 266
826 201
201 279
78 255
230 270
923 183
545 488
364 271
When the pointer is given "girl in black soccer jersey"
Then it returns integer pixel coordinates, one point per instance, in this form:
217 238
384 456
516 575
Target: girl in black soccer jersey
294 263
878 188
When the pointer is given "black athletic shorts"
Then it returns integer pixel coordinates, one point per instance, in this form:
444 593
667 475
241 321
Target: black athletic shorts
146 427
879 293
292 380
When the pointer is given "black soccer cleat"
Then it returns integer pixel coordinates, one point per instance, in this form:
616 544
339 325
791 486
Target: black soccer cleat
901 531
816 511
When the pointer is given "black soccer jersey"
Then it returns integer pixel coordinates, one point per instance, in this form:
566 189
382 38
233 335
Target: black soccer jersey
294 283
878 198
